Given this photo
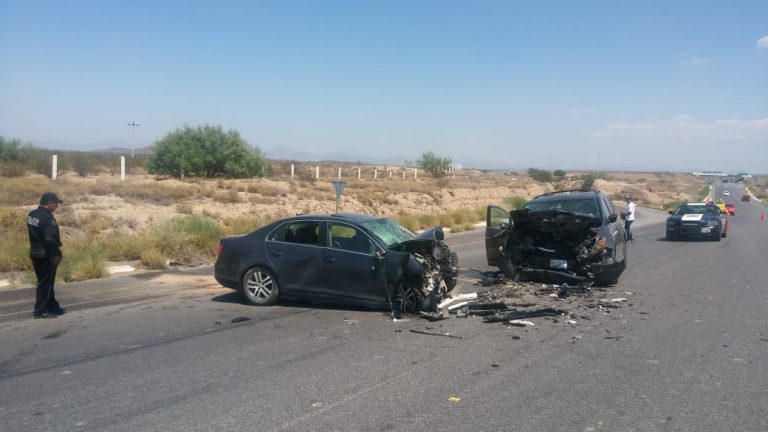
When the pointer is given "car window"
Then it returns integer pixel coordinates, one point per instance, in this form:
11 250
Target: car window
606 207
302 232
587 206
696 209
349 238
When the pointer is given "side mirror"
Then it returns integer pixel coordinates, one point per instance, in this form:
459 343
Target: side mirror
613 218
671 211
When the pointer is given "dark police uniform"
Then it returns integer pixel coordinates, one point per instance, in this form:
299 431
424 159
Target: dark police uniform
45 246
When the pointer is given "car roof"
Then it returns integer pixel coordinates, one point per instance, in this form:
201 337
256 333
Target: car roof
567 194
344 217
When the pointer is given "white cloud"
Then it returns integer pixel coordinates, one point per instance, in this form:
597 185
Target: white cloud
762 42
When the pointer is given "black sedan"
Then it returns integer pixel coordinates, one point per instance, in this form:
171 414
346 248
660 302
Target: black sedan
701 220
339 258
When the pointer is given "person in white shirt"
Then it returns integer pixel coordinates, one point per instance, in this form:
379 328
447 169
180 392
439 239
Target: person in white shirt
630 216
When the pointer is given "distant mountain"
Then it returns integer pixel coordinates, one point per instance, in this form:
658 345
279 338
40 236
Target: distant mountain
111 147
284 153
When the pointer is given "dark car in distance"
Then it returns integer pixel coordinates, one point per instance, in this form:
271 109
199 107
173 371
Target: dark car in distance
345 258
561 237
746 198
702 220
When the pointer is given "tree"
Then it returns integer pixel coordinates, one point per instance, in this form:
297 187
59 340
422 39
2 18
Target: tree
558 173
205 151
434 164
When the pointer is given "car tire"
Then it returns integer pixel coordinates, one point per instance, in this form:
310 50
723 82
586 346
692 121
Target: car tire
671 236
259 287
407 298
506 267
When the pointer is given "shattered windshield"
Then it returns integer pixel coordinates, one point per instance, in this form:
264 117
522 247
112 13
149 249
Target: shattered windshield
388 231
586 206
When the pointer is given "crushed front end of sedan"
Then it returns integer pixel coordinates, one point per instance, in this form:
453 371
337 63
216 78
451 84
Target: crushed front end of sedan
562 237
435 276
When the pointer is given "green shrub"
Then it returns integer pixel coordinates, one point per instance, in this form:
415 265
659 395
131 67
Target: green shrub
12 169
540 175
82 263
185 237
205 151
153 259
244 224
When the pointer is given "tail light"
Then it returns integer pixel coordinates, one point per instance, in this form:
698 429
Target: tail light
221 247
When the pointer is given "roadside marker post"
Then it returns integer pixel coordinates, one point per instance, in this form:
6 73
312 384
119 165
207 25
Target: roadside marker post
338 187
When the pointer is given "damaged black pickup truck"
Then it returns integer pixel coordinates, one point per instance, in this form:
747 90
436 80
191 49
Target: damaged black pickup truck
559 237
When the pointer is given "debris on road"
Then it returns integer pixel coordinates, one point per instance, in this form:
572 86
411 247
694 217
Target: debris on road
436 334
520 314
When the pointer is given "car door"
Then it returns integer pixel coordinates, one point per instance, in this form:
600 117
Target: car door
496 218
294 253
352 271
615 227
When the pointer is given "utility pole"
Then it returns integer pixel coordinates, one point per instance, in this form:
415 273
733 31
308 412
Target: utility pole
133 126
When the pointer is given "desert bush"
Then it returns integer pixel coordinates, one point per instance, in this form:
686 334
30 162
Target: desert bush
82 262
183 208
26 190
185 237
244 224
671 205
587 181
12 169
205 151
14 247
124 247
540 175
434 164
515 202
153 259
229 197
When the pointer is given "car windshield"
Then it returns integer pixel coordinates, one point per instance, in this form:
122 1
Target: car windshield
586 206
388 231
696 209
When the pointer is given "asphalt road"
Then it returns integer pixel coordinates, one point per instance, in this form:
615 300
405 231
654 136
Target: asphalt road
160 352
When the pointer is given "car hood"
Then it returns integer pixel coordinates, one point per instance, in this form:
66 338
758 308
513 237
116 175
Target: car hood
423 243
692 217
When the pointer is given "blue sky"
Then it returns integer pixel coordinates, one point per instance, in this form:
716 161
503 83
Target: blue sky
666 85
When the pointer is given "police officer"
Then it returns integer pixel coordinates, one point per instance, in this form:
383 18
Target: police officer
45 252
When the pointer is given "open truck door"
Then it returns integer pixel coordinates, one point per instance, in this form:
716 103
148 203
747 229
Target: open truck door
496 219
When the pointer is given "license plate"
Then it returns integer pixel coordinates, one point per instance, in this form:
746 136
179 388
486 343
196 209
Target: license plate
558 264
706 230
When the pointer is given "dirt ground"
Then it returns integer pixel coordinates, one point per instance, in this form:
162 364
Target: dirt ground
142 201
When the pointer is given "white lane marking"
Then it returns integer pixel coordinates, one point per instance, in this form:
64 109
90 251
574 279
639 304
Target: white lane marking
467 244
